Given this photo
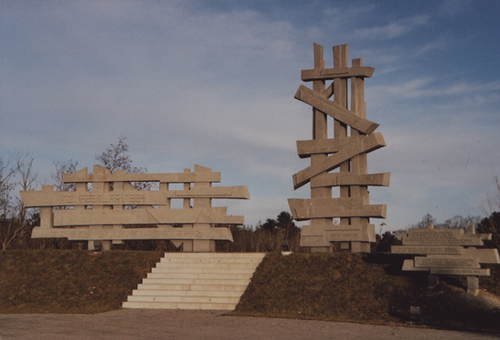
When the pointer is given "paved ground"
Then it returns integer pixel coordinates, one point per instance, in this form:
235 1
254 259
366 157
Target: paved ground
128 324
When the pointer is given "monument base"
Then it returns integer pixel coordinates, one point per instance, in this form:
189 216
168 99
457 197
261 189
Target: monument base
321 249
473 285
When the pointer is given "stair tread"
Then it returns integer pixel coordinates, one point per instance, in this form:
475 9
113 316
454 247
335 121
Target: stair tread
196 281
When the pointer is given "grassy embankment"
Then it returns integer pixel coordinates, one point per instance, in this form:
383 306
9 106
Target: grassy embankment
70 281
337 287
364 289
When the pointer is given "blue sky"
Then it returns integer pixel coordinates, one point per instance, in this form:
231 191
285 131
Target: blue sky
212 83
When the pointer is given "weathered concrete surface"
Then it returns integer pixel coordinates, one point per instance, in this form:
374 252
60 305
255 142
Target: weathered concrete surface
127 324
346 151
110 212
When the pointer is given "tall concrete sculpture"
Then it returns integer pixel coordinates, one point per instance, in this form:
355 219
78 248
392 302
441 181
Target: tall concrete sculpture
115 210
346 153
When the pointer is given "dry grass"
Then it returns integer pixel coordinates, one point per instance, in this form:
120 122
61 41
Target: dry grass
70 281
362 289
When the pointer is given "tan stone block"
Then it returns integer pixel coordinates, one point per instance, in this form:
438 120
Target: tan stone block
313 241
187 244
483 255
97 217
321 250
203 246
348 227
217 215
83 176
145 216
341 114
309 230
452 250
305 209
408 265
360 247
337 72
356 233
306 148
449 237
236 192
346 178
368 144
434 233
461 271
127 196
46 217
473 285
165 233
446 261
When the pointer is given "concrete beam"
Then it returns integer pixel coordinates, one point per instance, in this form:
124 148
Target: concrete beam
337 72
336 179
365 145
306 209
68 217
334 110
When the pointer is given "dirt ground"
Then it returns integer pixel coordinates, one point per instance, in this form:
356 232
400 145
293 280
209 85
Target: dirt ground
153 324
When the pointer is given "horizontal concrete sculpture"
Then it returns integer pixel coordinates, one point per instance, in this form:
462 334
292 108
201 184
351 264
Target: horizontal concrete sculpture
305 209
446 254
115 210
353 139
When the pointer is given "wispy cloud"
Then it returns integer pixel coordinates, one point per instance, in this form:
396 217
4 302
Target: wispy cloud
393 29
199 82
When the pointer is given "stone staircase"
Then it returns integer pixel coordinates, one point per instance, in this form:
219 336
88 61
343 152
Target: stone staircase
196 281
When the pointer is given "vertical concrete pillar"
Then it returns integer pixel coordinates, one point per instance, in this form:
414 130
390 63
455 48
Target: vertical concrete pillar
433 281
473 285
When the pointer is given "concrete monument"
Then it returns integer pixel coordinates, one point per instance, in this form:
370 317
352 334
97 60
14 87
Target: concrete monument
339 160
447 252
114 210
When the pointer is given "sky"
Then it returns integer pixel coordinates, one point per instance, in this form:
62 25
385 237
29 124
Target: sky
213 83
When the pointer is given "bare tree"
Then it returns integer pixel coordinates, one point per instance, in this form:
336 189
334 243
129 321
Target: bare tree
68 167
24 169
491 224
493 201
426 220
6 185
116 158
27 181
14 223
459 222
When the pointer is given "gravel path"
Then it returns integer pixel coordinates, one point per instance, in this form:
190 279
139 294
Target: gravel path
128 324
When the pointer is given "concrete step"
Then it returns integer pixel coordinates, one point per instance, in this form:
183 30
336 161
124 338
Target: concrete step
190 299
238 288
182 281
206 293
218 265
209 260
215 255
201 270
196 281
178 305
169 275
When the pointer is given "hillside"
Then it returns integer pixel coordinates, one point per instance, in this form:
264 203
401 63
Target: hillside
363 289
70 281
336 287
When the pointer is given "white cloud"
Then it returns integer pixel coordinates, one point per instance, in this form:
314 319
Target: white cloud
189 83
393 29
